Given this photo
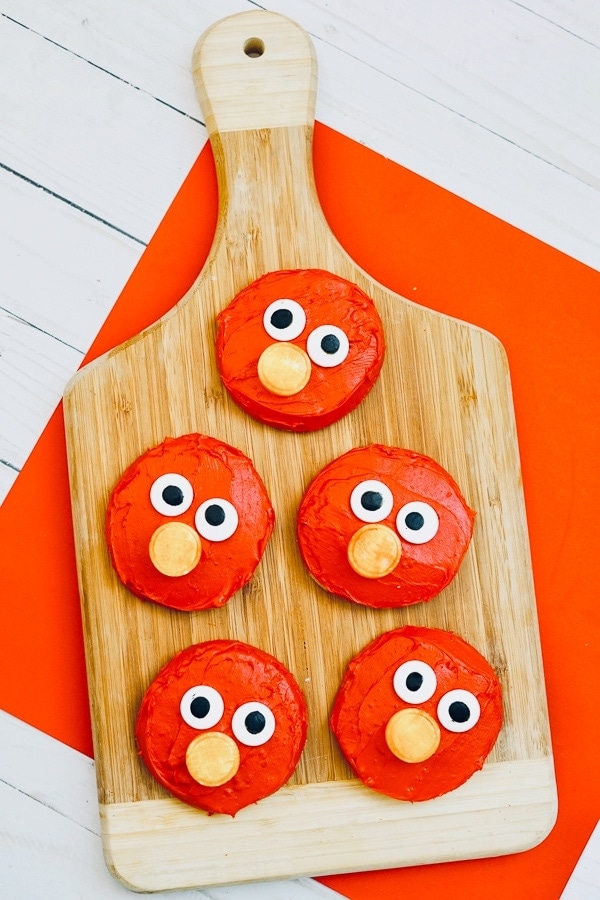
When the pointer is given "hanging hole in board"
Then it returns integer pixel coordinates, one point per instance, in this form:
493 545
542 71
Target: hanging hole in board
254 47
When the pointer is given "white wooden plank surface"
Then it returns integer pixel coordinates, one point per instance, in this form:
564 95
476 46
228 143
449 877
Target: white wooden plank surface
61 272
50 843
580 17
41 233
122 146
148 45
584 883
496 100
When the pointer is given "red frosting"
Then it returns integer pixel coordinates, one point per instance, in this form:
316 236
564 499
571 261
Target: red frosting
330 392
213 469
326 524
367 700
240 674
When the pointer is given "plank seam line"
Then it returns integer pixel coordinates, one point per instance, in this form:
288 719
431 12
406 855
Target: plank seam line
74 205
84 59
574 34
5 462
23 321
49 806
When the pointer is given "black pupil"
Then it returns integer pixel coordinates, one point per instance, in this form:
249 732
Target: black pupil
199 707
282 318
255 722
214 514
459 711
414 681
371 500
173 495
330 344
414 521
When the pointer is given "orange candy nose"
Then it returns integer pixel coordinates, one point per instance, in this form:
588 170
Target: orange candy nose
212 758
412 735
374 551
284 369
175 549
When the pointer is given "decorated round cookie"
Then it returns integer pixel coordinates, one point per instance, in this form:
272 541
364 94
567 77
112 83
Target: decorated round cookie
383 526
188 522
222 726
417 713
299 349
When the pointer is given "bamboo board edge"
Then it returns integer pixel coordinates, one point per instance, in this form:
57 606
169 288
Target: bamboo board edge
510 807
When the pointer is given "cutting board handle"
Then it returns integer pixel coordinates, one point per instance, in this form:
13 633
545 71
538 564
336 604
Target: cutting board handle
255 70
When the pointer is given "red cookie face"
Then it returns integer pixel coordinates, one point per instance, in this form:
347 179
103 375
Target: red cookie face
222 726
417 713
188 522
299 349
384 527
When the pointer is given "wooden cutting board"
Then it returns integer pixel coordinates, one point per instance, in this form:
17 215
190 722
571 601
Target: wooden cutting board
444 391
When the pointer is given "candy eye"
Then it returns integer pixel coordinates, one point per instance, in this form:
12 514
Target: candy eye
459 710
171 494
216 519
201 707
417 522
327 346
415 681
284 320
371 501
253 724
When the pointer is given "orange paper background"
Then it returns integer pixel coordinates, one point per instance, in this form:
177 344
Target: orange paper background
441 251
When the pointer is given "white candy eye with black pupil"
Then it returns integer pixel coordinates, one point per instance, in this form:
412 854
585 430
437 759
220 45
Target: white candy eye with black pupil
417 522
253 724
171 494
415 681
371 501
327 346
459 711
201 707
216 519
284 320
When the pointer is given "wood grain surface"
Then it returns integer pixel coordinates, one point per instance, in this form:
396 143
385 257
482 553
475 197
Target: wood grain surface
444 390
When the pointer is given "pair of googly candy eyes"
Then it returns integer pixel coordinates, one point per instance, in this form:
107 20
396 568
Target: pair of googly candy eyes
223 725
299 349
189 520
